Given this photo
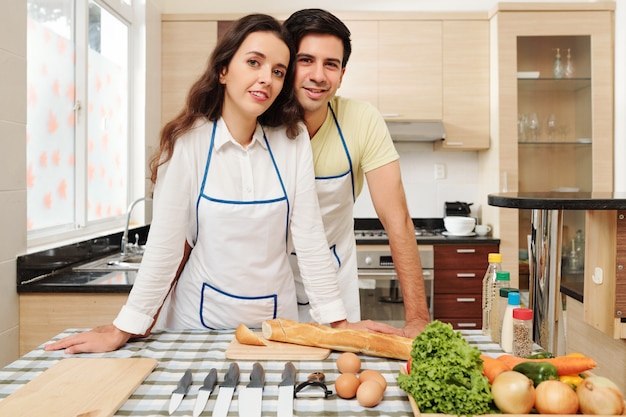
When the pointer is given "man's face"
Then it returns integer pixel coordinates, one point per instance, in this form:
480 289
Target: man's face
318 71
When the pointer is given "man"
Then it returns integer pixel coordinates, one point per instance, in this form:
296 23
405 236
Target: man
350 141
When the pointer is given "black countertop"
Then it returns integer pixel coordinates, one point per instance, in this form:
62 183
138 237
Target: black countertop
559 200
53 271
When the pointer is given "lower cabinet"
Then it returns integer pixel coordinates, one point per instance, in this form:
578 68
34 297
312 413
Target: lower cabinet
45 315
459 270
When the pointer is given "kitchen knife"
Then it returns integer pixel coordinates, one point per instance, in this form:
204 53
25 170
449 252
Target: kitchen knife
204 392
251 397
227 388
285 391
180 391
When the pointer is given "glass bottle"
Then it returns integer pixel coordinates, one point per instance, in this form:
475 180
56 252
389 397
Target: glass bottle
489 282
569 66
522 332
557 69
506 338
503 280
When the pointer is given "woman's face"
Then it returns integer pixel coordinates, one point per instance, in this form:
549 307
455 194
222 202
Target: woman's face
255 75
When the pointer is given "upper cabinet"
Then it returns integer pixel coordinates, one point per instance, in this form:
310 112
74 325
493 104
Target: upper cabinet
185 49
425 69
552 113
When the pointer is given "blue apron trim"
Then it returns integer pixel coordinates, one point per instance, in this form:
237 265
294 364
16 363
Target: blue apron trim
261 297
216 200
345 148
333 249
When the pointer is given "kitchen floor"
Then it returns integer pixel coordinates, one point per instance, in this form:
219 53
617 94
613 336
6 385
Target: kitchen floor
372 308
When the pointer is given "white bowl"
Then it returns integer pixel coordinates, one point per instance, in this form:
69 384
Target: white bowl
458 225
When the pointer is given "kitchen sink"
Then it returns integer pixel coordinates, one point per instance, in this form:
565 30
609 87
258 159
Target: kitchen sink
116 262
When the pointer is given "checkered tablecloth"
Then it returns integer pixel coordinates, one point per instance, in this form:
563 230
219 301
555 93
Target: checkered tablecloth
200 351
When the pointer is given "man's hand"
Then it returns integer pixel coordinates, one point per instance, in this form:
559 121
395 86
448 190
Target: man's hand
414 327
100 339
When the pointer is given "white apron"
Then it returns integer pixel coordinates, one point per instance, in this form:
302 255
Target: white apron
336 200
238 271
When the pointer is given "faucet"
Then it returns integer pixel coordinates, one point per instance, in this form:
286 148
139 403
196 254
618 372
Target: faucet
132 205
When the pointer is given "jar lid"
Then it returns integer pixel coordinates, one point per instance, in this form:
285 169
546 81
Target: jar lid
503 276
494 258
504 292
514 298
522 314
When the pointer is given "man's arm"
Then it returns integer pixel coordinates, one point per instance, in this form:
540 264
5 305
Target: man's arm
387 192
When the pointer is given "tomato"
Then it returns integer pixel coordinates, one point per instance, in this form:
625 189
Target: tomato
408 366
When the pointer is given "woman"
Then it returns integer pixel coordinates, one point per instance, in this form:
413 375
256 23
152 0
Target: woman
234 183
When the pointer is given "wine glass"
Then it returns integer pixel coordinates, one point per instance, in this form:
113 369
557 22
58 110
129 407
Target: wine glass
551 124
533 127
522 124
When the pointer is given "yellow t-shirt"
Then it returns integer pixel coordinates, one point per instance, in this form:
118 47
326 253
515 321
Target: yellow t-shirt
367 139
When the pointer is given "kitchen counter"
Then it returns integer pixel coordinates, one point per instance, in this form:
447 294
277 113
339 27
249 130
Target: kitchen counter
200 351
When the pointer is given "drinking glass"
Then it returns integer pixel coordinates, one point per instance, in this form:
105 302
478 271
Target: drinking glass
533 127
551 127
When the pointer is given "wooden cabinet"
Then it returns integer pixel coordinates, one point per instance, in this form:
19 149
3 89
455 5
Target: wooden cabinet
466 85
424 69
185 49
576 151
459 270
43 316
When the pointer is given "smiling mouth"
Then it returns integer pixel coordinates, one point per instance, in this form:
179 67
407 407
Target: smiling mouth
259 94
315 90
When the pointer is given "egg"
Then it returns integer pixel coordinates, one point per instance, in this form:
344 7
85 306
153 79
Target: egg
346 385
348 362
370 374
369 393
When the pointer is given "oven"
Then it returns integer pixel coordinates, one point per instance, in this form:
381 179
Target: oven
379 288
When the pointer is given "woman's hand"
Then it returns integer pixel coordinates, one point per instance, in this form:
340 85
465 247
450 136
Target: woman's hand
100 339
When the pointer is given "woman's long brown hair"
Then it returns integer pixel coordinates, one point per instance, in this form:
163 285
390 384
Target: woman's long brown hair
206 96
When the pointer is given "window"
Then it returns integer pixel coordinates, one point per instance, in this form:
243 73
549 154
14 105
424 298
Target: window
78 116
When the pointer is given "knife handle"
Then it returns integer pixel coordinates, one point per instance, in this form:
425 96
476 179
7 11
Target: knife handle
210 380
257 376
184 383
231 379
288 376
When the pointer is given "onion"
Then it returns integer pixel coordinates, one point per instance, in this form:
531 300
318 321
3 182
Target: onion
555 397
600 395
513 392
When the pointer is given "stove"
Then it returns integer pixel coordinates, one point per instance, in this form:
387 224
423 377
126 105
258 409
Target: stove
372 231
378 281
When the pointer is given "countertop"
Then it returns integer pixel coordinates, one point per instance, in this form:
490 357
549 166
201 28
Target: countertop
559 200
53 271
200 351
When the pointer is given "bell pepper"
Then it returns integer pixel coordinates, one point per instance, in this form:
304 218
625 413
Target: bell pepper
541 355
572 380
537 371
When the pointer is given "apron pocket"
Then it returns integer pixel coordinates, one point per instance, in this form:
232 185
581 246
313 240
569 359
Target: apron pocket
222 310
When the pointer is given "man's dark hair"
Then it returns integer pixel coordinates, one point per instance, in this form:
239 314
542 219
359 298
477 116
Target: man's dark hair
306 21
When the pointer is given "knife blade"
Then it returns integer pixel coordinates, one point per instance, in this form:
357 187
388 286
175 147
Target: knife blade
204 392
180 391
227 388
251 397
285 391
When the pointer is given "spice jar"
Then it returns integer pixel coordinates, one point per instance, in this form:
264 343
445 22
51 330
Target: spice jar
522 332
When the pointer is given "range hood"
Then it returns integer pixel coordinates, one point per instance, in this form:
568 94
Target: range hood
416 130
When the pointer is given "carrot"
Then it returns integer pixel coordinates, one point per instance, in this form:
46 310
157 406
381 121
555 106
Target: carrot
492 367
565 365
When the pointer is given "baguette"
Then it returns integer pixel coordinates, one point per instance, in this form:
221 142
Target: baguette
345 340
245 336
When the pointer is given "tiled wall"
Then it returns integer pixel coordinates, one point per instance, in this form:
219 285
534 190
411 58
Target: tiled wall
13 163
425 194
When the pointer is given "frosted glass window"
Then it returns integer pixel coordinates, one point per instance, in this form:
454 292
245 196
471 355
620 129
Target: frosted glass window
77 116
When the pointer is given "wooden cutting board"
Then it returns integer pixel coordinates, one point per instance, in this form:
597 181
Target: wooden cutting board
81 387
275 351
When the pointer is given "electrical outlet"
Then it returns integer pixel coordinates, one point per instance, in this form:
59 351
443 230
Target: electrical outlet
440 171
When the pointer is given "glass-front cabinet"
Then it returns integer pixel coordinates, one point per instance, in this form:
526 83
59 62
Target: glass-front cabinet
552 116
